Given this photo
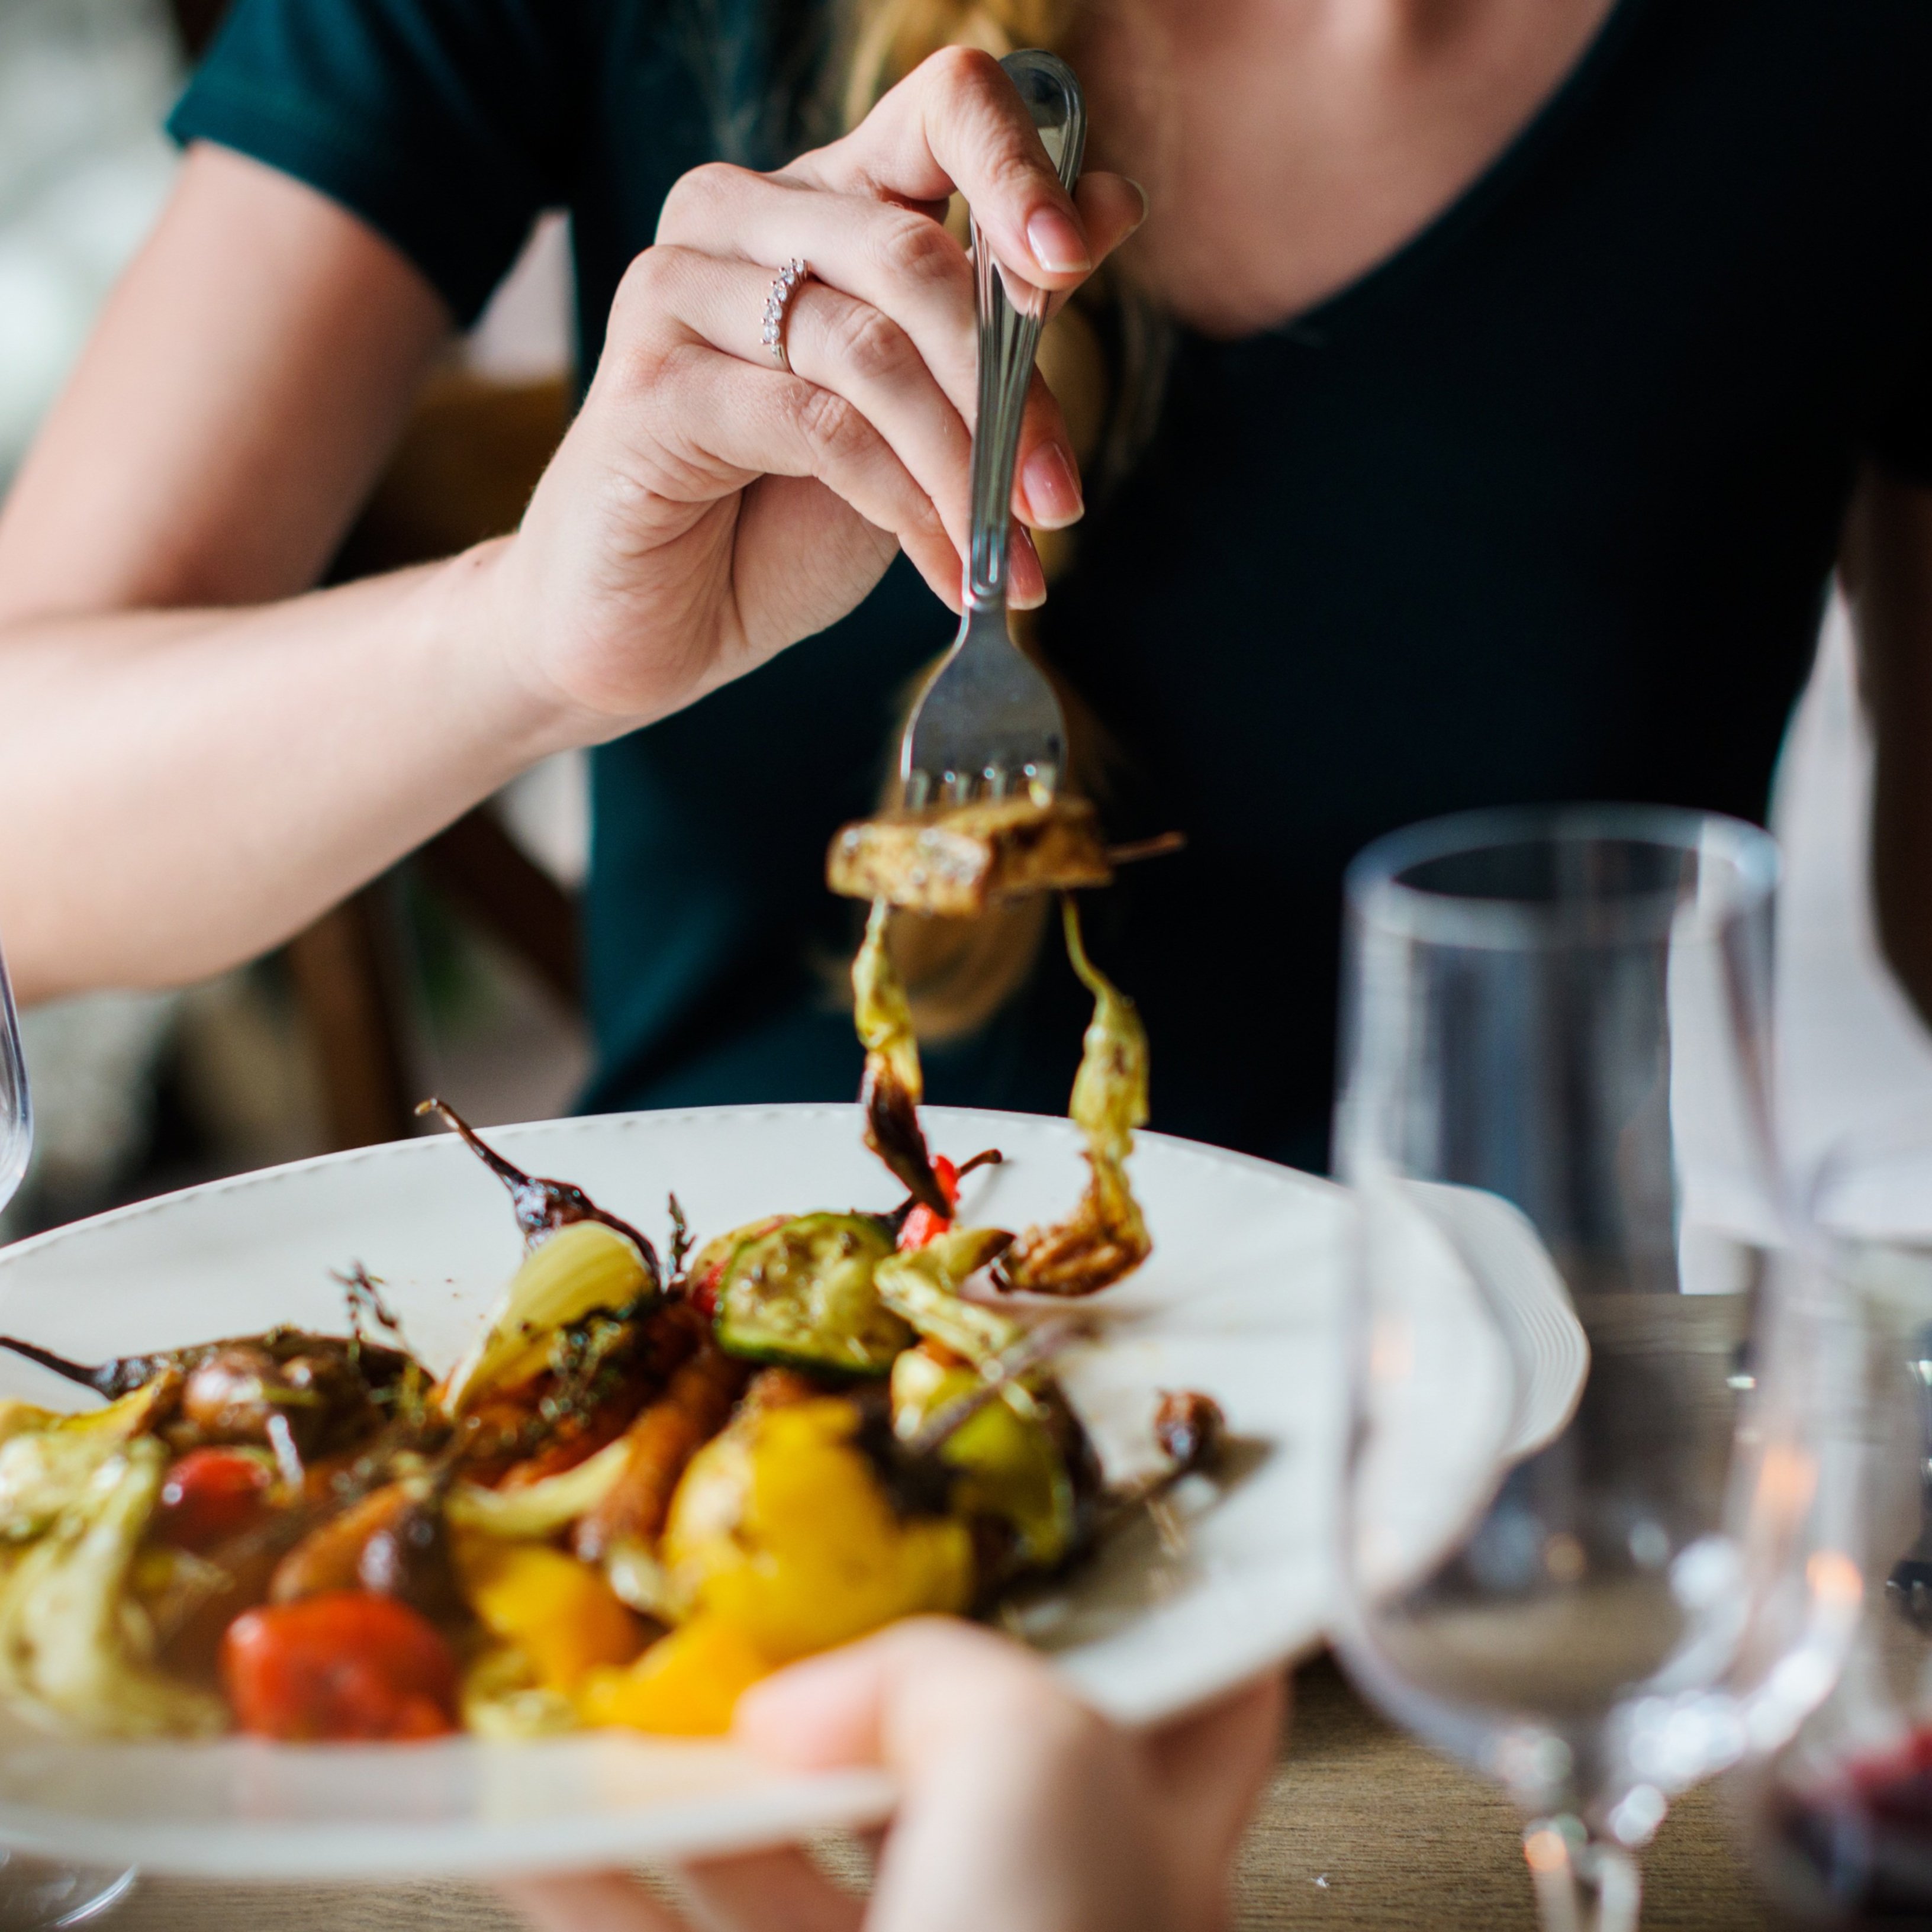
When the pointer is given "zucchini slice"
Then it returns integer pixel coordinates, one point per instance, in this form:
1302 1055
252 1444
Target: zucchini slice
802 1293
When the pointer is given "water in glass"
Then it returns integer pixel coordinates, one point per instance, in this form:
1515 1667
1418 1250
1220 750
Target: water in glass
1588 1541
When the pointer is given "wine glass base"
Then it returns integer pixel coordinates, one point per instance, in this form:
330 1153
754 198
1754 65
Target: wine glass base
36 1896
1582 1884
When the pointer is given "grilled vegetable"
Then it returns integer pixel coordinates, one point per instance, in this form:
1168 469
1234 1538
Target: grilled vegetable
350 1665
918 1224
542 1207
893 1085
310 1392
1106 1237
792 1530
1190 1428
803 1293
923 1287
47 1465
539 1509
687 1684
559 1613
1010 1465
500 1698
72 1639
393 1543
211 1495
708 1263
585 1269
657 1447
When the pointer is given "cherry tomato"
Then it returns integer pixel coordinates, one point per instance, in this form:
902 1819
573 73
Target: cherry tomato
922 1225
209 1496
346 1664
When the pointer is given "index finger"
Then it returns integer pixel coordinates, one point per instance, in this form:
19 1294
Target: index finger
956 123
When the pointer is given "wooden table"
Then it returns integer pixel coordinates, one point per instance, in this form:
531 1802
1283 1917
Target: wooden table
1362 1828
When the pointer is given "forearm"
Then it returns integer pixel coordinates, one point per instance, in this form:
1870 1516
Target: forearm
182 790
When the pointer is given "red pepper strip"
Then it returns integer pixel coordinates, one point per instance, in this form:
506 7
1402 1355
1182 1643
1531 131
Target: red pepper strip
922 1225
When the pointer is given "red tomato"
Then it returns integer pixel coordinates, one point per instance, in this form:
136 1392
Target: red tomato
922 1225
347 1664
209 1496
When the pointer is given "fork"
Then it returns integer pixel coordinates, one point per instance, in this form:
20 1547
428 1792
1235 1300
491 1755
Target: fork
987 718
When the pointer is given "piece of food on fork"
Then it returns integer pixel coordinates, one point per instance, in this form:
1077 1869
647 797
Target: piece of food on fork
957 860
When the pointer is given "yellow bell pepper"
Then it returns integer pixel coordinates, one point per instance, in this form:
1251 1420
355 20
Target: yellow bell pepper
781 1529
686 1685
560 1613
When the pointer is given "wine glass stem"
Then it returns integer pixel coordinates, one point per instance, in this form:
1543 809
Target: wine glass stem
1582 1884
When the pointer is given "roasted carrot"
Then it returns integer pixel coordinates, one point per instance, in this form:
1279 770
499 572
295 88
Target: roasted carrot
692 1409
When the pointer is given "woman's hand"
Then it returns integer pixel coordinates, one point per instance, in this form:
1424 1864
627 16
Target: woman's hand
1020 1808
707 509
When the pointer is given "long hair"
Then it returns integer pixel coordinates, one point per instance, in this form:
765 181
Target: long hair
1102 355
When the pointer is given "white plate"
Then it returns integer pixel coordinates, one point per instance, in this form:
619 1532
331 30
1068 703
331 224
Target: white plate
1243 1298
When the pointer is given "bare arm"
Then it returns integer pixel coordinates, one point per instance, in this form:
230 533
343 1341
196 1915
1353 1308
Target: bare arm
1888 570
189 770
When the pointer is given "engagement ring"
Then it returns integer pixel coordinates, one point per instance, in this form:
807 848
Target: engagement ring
783 287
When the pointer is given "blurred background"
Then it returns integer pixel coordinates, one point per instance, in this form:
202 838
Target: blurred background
457 973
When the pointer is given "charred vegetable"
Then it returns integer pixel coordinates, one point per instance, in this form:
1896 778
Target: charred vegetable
796 1529
1105 1237
48 1460
288 1390
74 1644
350 1665
586 1268
893 1085
656 1449
1190 1428
542 1207
1011 1464
922 1287
557 1613
803 1293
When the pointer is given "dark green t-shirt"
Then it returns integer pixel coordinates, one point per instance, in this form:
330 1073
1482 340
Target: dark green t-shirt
1543 507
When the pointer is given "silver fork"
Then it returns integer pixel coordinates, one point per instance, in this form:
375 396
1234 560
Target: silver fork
987 720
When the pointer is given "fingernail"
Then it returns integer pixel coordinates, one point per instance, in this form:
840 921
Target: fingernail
1030 599
1057 243
1146 204
1052 488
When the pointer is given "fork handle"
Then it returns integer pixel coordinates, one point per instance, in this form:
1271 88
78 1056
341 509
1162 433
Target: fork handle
1010 335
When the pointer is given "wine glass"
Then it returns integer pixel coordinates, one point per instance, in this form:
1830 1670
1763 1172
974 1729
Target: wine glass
1842 1818
1574 1298
37 1896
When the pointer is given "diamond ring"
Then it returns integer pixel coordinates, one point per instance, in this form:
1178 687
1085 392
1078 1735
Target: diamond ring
784 285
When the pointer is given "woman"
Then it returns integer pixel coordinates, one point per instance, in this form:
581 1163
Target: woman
1477 421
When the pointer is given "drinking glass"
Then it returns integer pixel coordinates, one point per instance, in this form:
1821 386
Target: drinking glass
1842 1818
36 1896
1575 1297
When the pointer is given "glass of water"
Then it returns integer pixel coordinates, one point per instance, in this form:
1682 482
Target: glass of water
1593 1541
34 1895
